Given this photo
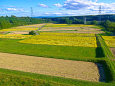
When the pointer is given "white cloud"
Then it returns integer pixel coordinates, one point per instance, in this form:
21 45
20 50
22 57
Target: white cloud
58 5
43 5
88 5
57 13
13 9
61 13
96 0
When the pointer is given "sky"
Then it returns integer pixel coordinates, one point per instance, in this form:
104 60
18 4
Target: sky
56 7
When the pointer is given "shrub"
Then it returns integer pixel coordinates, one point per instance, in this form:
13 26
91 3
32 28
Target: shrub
32 33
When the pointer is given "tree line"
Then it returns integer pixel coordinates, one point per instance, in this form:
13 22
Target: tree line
13 21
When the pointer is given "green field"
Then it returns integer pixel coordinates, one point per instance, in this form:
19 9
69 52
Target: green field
62 52
100 54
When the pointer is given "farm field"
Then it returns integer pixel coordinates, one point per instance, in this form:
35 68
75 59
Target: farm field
49 66
22 29
64 28
64 58
63 52
15 36
67 25
110 40
64 39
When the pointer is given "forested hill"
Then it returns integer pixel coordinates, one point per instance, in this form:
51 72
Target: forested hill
7 22
80 19
107 21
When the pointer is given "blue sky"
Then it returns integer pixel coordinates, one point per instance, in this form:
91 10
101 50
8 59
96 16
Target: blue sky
55 7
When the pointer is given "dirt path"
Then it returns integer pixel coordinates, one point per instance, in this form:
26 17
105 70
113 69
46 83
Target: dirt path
49 66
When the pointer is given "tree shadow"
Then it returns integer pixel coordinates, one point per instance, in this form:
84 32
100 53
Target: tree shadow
104 72
99 52
101 71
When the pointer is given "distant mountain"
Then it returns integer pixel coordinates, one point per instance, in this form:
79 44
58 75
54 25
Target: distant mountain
104 17
113 15
47 16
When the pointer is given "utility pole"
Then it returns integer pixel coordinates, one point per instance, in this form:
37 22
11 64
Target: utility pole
85 20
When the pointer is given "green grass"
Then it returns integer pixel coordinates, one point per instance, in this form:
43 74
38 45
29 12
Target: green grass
18 80
97 27
52 51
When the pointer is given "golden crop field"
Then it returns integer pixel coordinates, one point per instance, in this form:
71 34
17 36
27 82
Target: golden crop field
64 40
67 25
110 40
15 36
67 34
23 28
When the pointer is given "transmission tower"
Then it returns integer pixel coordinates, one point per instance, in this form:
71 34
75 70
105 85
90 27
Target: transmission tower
31 12
100 13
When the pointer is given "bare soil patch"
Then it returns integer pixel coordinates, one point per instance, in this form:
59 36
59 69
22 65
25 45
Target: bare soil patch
2 32
113 51
49 66
19 32
29 26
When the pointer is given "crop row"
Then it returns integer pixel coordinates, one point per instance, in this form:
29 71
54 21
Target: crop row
15 36
110 40
66 25
62 40
67 34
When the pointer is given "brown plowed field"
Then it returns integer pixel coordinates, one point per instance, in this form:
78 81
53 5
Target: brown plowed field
49 66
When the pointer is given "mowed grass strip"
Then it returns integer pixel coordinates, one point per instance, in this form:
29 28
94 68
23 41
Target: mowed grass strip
52 51
17 80
50 80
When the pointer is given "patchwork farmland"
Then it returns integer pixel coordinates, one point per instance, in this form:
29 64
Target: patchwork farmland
60 55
